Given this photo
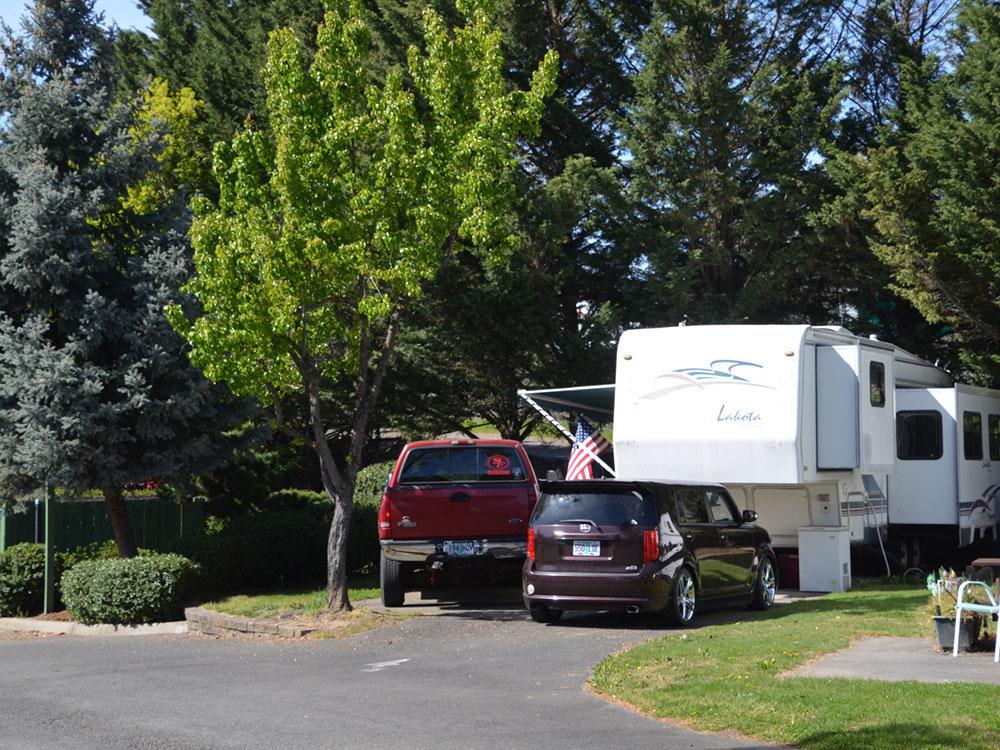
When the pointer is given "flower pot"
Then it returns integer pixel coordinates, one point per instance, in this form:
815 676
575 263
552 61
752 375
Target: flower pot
967 632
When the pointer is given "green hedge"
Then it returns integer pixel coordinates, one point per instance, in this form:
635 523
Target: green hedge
370 483
315 503
146 589
95 551
362 541
286 544
260 551
22 580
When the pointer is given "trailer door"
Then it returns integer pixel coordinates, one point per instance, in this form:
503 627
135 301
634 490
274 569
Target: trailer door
923 490
977 480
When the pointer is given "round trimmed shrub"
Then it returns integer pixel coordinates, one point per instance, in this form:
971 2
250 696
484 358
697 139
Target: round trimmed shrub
129 591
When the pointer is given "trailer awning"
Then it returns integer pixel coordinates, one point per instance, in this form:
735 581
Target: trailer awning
596 401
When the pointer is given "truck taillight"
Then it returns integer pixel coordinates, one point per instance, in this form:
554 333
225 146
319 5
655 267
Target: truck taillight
384 524
650 545
531 544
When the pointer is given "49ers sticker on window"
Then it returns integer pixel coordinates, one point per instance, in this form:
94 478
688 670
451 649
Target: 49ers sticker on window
497 465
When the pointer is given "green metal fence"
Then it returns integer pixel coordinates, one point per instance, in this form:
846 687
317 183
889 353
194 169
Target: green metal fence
156 522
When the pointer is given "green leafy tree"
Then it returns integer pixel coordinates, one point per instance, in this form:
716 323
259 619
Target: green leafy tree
934 192
330 219
476 337
94 390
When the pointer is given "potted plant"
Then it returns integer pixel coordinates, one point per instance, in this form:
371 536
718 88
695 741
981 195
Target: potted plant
943 586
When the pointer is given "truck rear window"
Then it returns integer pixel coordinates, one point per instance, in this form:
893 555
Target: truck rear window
615 508
462 464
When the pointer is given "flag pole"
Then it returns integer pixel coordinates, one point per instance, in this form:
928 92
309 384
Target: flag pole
566 433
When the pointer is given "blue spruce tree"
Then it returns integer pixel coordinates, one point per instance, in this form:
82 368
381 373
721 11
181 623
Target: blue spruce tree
95 389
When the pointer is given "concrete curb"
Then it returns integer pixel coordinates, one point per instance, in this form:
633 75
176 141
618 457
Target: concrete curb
55 627
207 622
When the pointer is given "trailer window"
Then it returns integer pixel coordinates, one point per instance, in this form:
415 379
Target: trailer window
994 427
972 435
876 383
918 436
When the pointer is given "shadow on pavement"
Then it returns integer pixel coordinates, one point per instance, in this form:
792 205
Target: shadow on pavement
504 604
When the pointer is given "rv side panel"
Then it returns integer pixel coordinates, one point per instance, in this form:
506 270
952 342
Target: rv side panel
837 427
710 403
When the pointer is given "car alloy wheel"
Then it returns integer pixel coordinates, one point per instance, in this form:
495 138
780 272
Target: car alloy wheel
767 585
684 599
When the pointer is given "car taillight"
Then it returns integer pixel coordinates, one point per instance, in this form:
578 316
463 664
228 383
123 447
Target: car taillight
650 545
531 544
384 524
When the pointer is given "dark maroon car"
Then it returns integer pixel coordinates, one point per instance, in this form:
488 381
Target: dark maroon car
640 546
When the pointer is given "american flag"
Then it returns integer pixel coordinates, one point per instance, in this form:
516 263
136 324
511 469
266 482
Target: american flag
589 443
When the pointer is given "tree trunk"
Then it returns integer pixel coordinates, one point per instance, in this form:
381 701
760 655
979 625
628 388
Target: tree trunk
340 489
336 557
339 484
120 524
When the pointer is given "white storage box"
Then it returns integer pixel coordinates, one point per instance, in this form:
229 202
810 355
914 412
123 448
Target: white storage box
824 558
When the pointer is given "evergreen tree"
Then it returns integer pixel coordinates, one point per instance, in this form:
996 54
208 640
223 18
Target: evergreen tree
877 42
732 99
934 192
95 391
217 49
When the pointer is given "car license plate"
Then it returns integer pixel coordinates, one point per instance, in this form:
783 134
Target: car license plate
586 549
460 549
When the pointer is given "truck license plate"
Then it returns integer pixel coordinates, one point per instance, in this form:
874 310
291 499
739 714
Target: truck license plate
586 549
460 549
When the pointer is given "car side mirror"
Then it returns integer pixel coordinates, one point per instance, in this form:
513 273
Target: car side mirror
749 516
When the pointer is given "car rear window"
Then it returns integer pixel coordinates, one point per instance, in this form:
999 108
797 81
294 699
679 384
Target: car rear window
462 464
613 507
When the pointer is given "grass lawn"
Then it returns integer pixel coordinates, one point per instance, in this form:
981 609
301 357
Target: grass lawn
301 602
725 678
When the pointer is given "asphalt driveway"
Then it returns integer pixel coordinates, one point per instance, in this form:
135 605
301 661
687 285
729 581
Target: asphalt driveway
469 676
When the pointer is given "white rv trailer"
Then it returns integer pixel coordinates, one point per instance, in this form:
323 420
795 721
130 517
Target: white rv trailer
800 423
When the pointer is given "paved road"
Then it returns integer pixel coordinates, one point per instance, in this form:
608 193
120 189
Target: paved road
468 677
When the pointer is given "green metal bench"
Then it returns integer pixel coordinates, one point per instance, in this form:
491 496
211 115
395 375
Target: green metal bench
961 606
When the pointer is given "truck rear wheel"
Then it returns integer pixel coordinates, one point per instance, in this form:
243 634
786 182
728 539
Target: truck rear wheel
391 581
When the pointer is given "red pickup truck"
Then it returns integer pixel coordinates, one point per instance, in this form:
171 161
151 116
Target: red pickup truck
453 503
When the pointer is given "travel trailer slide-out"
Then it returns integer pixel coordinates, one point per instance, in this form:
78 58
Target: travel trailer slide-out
827 435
